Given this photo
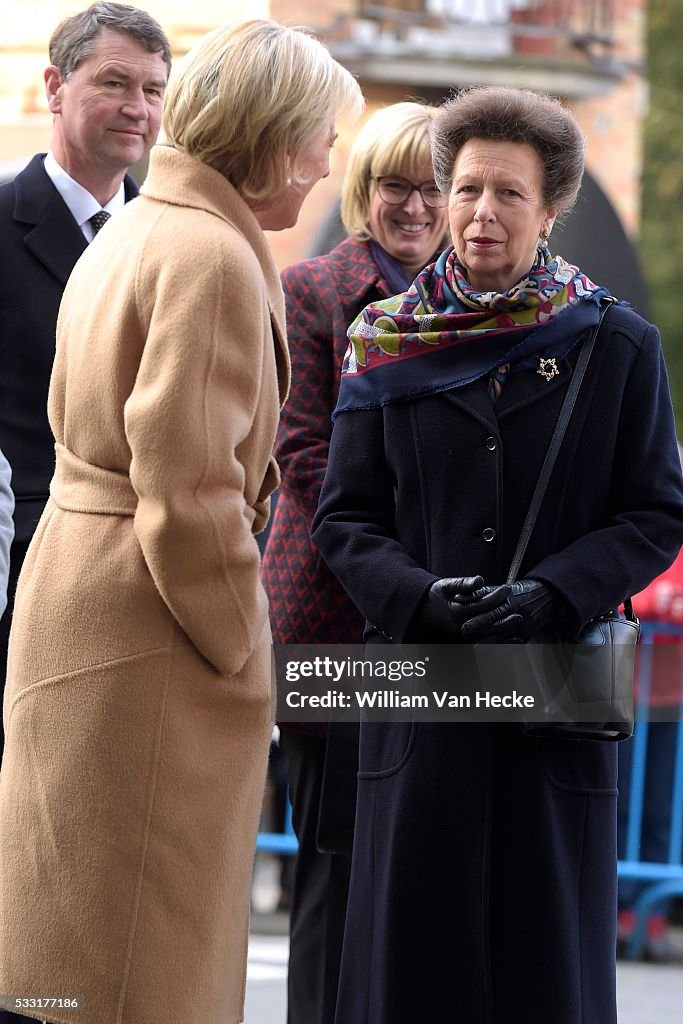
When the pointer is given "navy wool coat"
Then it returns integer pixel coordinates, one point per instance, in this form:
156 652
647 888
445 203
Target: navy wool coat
484 872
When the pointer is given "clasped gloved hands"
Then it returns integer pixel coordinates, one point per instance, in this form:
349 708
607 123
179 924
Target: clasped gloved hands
527 609
451 601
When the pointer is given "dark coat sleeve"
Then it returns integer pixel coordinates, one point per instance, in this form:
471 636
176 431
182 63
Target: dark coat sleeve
354 527
643 533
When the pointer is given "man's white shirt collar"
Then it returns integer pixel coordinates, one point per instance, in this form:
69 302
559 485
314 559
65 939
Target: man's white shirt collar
81 203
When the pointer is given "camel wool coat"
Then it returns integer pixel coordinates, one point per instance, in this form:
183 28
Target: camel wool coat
138 701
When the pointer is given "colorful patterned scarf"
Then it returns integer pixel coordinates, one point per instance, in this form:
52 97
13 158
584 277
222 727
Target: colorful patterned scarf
467 333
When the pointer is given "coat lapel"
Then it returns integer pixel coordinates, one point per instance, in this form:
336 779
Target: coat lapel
474 400
52 234
527 386
520 389
281 355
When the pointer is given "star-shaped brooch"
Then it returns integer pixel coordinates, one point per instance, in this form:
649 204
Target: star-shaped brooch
548 368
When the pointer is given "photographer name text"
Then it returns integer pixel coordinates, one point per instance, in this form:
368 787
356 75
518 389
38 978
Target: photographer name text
396 699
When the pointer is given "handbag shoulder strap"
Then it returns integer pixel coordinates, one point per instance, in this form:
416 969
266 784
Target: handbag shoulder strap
555 442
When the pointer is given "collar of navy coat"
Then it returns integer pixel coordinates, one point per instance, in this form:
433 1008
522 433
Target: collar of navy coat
520 390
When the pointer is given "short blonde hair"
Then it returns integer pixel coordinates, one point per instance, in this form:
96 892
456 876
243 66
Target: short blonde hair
249 97
394 139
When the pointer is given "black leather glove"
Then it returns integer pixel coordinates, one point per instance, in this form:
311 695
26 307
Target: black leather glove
528 608
446 605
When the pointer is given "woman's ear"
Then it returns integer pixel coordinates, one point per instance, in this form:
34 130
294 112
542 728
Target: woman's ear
548 222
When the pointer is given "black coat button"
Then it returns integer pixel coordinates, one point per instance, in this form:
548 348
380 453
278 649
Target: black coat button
488 534
491 444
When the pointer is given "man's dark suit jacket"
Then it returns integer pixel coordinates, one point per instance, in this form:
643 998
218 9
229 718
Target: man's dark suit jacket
39 245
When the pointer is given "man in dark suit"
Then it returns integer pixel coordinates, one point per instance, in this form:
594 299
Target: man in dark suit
105 86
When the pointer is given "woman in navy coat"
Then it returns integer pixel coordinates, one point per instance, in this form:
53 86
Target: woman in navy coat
483 884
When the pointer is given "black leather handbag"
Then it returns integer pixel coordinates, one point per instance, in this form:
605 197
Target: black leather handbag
584 687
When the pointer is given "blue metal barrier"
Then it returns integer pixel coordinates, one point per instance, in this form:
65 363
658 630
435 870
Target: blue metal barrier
279 842
665 879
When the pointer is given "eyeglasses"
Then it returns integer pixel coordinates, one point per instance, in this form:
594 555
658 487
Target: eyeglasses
395 191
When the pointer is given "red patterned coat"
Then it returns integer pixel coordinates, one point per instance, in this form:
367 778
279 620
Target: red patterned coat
323 296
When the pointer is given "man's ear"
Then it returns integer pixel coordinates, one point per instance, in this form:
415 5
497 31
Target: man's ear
53 83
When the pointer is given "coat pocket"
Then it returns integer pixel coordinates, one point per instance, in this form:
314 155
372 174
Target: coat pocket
585 766
385 747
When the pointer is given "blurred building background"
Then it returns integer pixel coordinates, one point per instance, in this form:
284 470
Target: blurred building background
590 53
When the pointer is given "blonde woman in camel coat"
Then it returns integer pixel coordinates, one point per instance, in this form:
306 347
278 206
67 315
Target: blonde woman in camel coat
138 701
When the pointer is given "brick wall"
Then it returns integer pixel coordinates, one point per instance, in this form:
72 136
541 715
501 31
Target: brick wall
613 123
